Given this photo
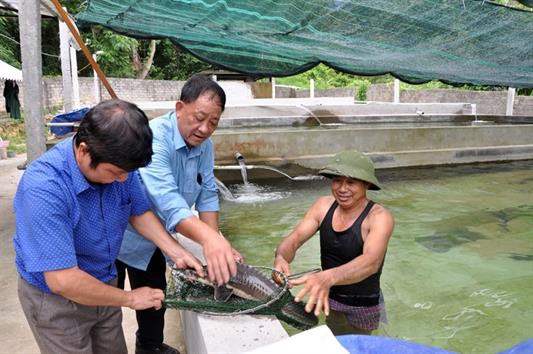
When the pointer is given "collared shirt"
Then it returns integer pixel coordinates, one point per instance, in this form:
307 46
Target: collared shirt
177 178
63 220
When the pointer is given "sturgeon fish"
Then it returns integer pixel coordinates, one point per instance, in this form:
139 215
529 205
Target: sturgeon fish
251 284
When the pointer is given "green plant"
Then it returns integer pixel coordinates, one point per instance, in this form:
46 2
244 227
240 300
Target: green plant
15 132
362 89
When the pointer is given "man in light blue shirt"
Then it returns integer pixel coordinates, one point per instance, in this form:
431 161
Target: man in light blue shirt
179 177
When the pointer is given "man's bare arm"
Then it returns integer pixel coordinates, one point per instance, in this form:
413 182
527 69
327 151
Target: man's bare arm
79 286
309 225
210 218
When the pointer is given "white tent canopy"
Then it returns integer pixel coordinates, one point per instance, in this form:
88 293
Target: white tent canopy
8 72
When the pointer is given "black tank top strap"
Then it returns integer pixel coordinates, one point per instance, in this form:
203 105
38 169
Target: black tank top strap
365 212
329 214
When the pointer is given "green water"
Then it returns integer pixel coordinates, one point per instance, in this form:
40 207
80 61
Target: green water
459 269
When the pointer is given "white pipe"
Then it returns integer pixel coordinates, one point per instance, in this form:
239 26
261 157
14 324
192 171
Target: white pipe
510 101
96 84
396 91
75 84
65 66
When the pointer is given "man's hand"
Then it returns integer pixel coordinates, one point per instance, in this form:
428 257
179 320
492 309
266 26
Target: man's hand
184 259
237 256
281 265
220 259
145 298
317 286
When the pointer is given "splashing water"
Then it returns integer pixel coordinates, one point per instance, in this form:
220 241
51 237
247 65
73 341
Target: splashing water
251 193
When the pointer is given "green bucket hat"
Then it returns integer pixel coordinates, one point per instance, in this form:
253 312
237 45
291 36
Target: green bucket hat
352 164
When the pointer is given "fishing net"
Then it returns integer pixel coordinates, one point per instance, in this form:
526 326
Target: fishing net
455 41
184 294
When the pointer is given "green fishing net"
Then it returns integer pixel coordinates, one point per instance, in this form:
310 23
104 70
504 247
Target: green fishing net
184 294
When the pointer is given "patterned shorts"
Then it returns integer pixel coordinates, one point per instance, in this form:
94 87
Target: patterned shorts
361 317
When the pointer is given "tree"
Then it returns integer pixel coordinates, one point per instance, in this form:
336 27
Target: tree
9 48
142 67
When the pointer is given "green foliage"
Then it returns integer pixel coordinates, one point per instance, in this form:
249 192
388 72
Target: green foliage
115 59
15 132
324 76
9 48
172 63
362 89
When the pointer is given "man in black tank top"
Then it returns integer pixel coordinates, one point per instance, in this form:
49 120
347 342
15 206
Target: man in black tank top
354 234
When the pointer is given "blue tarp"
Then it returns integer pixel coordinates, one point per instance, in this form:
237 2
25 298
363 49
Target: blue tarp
526 347
70 117
376 345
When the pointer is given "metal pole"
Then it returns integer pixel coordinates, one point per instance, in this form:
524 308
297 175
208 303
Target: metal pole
30 48
510 101
65 66
273 83
75 84
311 88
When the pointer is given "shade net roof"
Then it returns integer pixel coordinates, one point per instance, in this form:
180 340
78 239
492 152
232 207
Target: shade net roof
455 41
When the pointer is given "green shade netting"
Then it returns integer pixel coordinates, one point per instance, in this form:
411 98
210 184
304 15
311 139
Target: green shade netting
471 41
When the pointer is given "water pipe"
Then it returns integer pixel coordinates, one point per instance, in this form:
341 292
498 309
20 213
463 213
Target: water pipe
251 167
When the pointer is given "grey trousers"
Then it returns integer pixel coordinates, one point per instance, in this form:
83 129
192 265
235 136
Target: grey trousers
63 326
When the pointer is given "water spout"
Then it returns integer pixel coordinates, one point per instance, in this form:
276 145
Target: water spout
320 123
242 165
270 168
312 114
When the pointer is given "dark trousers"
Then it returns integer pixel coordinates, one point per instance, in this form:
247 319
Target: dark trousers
150 321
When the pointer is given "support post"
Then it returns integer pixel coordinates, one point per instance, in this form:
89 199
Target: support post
97 94
30 48
75 83
311 88
510 101
396 91
273 82
64 47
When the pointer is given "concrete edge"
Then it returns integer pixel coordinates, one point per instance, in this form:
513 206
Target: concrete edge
226 334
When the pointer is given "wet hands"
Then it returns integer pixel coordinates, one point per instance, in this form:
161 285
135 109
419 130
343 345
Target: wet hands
184 259
145 298
221 259
281 265
317 287
239 258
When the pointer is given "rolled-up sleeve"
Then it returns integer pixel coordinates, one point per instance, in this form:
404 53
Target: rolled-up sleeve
160 185
208 198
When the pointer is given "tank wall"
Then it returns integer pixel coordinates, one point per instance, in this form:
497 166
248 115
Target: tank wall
390 147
